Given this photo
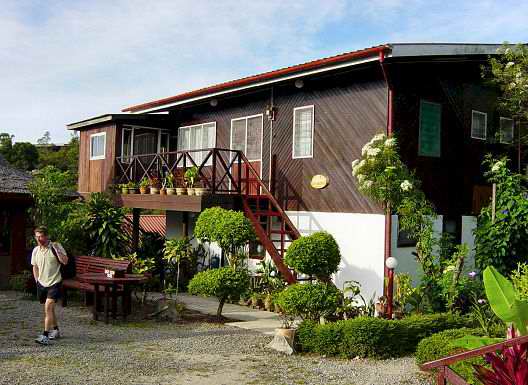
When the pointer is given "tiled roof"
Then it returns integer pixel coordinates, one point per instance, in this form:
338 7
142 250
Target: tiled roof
149 223
13 180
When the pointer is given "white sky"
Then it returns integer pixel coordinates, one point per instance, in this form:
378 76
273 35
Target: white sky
63 61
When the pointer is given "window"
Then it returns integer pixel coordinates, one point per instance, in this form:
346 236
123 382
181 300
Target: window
97 146
246 136
198 137
479 121
303 129
506 130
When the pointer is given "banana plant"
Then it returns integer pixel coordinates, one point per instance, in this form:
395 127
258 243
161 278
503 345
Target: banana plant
504 300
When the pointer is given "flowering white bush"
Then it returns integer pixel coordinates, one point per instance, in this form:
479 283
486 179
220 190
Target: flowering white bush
406 185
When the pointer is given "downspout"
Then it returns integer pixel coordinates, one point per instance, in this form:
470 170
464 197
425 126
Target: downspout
388 216
270 173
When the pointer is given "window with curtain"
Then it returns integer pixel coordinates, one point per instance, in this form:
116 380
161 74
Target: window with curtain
303 130
246 136
200 136
479 122
97 146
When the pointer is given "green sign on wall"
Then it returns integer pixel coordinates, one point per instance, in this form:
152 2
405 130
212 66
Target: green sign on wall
430 129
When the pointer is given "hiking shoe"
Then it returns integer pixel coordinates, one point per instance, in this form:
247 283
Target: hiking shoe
42 339
54 334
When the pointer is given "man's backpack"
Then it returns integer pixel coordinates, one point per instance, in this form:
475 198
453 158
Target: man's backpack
68 270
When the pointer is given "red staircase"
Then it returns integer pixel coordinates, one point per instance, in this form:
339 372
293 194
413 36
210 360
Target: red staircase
273 227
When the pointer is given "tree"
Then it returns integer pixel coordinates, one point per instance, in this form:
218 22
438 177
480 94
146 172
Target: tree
65 159
45 139
22 155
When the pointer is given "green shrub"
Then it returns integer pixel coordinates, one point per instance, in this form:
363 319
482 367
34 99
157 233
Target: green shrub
317 254
439 345
222 283
21 282
373 337
230 229
309 301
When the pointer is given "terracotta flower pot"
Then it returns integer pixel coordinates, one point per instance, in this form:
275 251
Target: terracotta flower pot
181 190
289 334
163 191
201 191
154 190
171 191
143 190
190 191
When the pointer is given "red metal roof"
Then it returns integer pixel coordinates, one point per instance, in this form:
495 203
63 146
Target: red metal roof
320 63
149 223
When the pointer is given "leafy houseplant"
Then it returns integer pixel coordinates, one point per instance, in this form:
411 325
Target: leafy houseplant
175 252
124 188
155 185
169 184
143 185
191 175
132 187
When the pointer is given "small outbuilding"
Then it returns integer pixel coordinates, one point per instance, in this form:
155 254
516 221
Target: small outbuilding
15 200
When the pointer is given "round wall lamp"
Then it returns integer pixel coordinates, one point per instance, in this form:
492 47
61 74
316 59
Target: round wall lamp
213 102
299 83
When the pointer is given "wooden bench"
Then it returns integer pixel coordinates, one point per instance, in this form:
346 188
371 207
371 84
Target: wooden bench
86 264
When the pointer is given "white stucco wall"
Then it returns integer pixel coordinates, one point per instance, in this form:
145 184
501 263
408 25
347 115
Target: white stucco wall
361 240
407 262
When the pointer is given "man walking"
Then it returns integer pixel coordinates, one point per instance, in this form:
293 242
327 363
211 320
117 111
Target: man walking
46 259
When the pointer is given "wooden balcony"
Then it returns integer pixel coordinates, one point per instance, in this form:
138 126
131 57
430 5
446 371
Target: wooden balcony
223 172
190 203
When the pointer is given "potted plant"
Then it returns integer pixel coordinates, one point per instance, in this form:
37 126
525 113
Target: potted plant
268 302
286 330
200 190
154 185
191 174
132 187
182 190
169 184
143 185
124 188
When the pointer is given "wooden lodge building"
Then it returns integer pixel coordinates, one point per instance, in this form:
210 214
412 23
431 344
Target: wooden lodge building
262 139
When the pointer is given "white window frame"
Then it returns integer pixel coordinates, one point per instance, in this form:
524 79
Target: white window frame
133 128
246 118
210 161
98 157
313 130
500 130
485 124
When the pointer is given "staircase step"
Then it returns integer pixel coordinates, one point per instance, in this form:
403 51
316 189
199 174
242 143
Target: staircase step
278 231
267 213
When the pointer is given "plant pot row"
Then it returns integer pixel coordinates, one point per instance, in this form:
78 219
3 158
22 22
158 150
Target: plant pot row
198 191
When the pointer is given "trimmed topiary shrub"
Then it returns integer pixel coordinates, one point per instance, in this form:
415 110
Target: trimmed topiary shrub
222 283
309 301
317 254
439 345
373 337
230 229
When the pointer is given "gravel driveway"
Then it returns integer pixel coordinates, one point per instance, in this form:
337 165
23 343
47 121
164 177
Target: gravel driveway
150 352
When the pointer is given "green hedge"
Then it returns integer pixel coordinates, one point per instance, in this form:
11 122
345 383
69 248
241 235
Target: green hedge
439 345
373 337
309 301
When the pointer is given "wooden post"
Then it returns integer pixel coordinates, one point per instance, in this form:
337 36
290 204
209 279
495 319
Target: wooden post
136 213
185 224
493 201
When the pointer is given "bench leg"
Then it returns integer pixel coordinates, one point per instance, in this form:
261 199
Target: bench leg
96 302
114 301
64 297
106 302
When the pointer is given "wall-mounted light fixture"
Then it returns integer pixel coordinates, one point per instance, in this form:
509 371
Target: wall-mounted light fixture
213 102
299 83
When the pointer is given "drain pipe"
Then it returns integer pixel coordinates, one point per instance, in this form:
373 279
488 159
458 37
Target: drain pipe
388 216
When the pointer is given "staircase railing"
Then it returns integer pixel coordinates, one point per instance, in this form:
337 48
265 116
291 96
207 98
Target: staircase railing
445 375
273 209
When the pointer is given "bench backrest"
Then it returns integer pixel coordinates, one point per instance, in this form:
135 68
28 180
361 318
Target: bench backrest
88 264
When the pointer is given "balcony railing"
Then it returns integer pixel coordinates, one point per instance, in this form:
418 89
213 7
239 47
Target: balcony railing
220 170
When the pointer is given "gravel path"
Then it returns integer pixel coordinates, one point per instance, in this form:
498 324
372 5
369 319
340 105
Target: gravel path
150 352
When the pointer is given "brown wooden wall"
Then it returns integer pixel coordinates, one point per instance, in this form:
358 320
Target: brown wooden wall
452 180
96 175
348 108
